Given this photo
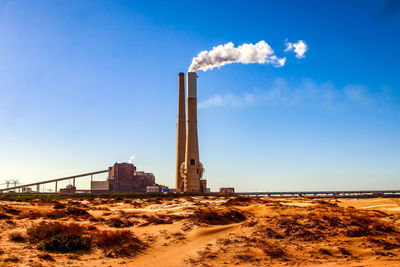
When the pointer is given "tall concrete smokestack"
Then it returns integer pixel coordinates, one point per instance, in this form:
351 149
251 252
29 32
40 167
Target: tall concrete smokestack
192 169
180 131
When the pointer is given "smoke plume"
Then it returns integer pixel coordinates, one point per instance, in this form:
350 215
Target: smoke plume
221 55
132 158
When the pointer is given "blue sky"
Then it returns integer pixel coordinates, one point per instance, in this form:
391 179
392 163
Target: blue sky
85 84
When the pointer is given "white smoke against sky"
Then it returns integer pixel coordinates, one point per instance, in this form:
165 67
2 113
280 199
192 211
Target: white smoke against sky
300 48
221 55
132 158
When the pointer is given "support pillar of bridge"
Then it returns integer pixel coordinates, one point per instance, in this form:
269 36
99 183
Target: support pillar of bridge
56 188
38 188
73 181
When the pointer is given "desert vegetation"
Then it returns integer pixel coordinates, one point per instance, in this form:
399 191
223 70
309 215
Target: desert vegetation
198 231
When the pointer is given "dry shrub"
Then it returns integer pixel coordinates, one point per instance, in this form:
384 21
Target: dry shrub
17 237
157 219
386 245
58 205
179 235
250 223
31 214
76 211
238 201
313 224
270 233
70 212
46 257
217 217
14 259
293 229
244 257
344 251
325 251
225 241
55 236
364 225
121 242
4 216
324 203
207 254
11 210
273 250
118 222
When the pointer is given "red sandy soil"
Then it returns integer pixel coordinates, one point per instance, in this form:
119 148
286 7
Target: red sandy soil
212 231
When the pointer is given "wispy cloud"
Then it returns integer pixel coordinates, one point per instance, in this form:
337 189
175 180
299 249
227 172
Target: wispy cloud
304 93
228 100
300 48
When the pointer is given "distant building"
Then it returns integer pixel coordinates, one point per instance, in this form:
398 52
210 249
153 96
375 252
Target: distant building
227 190
203 185
174 190
153 189
123 178
69 189
100 186
26 190
145 180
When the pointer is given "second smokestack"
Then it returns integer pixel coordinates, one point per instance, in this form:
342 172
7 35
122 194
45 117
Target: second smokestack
192 168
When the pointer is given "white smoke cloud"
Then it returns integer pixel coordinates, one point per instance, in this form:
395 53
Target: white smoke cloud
221 55
132 158
300 48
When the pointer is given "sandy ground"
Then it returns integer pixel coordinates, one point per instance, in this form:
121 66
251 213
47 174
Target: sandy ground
216 231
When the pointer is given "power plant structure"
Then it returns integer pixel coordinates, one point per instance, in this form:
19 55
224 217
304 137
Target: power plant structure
189 168
180 132
122 178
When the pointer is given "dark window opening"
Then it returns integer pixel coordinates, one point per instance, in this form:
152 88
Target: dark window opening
192 162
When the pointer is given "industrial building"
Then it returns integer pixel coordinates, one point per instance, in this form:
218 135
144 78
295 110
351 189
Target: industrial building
124 178
227 190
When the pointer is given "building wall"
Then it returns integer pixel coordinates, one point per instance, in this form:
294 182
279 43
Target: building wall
99 185
124 178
